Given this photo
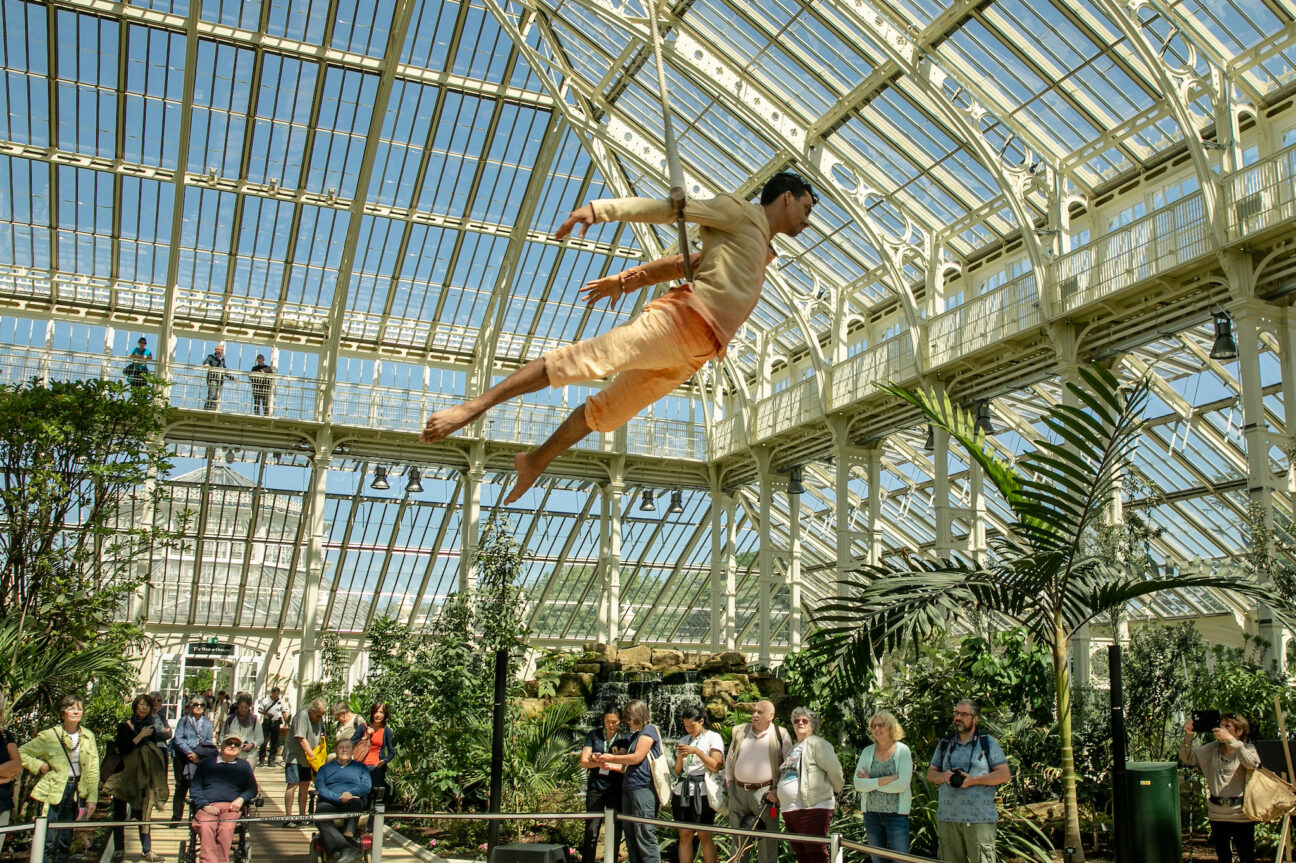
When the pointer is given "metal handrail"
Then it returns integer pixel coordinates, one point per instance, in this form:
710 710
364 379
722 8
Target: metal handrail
836 843
896 856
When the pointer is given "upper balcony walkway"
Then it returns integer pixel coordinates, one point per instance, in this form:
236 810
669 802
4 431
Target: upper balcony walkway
1256 203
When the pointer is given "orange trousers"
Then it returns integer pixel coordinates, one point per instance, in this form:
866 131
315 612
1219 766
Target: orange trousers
651 355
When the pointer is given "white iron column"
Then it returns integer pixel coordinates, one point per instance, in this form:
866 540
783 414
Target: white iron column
976 542
731 572
471 522
610 561
139 601
941 493
1248 318
306 672
1287 361
874 505
847 457
794 571
765 557
719 507
1079 647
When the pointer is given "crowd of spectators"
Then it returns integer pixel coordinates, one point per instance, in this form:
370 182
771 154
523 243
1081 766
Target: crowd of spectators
209 754
769 772
766 773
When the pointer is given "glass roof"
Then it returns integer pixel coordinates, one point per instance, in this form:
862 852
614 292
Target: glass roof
366 191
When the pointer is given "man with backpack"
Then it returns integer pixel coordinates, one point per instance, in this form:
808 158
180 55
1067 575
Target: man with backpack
967 767
751 772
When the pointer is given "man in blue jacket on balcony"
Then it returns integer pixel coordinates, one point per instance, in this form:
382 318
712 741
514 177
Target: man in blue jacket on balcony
343 786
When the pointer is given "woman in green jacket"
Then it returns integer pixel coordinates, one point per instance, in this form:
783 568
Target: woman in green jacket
67 761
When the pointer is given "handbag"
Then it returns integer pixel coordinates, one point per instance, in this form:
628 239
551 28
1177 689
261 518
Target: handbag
320 754
1267 796
716 793
661 777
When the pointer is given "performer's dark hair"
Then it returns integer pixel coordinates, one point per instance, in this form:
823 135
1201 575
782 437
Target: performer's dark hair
787 181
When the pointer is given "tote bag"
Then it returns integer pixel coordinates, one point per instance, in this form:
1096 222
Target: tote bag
1267 796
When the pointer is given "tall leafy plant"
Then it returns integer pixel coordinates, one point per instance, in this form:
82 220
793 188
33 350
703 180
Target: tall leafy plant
75 463
1042 575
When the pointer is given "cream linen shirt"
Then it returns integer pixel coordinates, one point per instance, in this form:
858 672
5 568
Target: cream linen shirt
735 252
753 762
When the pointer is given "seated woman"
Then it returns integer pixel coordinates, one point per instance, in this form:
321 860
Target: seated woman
342 785
222 785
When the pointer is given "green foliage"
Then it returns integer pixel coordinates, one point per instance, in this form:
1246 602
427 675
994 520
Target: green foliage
549 669
1045 574
1169 671
336 662
540 774
1155 673
1235 680
447 672
76 460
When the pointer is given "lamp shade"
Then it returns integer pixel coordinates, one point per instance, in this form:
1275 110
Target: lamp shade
1225 347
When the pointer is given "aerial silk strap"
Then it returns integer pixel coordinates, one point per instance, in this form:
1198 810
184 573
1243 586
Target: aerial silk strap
672 153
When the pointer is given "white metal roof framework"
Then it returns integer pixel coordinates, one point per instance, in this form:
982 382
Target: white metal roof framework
364 192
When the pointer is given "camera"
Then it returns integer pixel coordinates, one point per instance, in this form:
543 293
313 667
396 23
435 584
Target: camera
957 778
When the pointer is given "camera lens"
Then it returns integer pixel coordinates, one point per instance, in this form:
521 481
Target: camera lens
957 779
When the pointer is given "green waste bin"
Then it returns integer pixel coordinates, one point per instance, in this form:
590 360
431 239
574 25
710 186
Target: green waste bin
1153 824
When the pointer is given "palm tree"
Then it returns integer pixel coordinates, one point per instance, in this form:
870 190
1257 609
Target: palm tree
1044 574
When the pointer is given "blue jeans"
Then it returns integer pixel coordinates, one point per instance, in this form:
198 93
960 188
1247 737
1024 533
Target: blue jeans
58 843
887 830
641 839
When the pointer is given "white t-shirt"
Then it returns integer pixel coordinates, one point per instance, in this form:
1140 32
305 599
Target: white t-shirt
789 783
74 752
707 741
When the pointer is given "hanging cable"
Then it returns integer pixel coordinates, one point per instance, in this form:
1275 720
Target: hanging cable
672 154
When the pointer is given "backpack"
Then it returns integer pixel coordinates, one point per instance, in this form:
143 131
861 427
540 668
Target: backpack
660 769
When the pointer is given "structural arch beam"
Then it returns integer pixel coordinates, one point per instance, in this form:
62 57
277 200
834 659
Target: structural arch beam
1174 85
957 106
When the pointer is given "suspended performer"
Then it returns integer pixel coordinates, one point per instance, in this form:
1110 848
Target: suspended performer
674 335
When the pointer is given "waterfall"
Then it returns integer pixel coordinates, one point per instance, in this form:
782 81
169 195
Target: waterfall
665 700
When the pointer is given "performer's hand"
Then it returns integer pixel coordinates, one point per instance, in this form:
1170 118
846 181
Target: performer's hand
583 217
608 286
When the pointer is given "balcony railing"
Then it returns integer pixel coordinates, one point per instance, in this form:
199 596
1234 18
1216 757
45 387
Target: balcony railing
1260 197
858 377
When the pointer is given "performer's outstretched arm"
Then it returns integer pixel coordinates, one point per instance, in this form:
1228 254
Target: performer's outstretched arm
617 285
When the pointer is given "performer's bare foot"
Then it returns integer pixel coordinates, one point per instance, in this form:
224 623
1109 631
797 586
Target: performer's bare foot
447 421
528 472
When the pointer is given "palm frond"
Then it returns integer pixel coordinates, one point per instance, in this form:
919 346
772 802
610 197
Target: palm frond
961 425
881 609
1097 588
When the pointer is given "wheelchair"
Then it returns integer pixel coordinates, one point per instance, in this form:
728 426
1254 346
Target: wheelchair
361 842
240 848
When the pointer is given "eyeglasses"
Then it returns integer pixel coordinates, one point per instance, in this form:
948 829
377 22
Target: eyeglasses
963 713
877 725
234 743
801 721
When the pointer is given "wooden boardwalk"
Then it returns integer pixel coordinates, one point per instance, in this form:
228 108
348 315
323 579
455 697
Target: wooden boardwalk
269 842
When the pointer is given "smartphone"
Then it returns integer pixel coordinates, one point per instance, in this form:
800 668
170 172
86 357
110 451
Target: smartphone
1205 721
81 814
